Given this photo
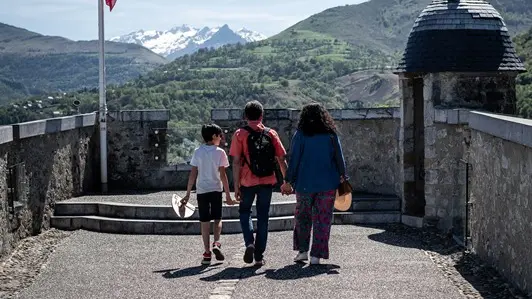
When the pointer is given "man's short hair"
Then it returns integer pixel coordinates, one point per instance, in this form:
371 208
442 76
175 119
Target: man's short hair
253 110
208 130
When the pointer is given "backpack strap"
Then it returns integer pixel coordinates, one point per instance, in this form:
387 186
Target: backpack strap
249 129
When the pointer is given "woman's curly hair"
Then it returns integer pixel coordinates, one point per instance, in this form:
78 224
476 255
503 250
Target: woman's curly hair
315 119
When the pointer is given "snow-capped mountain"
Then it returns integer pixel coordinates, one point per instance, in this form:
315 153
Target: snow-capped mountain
250 35
186 39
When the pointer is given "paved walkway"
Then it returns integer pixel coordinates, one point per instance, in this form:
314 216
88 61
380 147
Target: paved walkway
365 263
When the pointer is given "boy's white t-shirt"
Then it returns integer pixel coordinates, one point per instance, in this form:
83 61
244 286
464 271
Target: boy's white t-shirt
208 159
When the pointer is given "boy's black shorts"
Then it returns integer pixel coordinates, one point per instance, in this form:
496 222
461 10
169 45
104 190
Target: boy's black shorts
210 206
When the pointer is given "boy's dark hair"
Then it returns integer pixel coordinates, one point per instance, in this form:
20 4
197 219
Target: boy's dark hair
253 110
210 129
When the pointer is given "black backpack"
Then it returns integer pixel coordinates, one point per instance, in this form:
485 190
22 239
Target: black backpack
261 152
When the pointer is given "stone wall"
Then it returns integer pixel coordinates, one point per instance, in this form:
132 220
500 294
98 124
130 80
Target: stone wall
411 146
469 171
501 194
137 149
424 139
45 161
369 139
494 92
447 139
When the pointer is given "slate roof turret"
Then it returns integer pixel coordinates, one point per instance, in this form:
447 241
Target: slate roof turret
459 36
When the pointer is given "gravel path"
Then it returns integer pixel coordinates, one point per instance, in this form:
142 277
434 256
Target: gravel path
20 268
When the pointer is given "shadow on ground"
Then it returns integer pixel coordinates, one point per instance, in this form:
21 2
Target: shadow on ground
233 273
289 272
298 271
186 272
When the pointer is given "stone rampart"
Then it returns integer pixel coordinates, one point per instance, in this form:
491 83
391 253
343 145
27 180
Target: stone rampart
46 161
137 149
42 162
501 194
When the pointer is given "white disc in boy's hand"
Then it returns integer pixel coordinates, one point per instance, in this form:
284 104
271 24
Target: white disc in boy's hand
183 211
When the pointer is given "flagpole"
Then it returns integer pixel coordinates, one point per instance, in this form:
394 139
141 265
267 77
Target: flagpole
103 104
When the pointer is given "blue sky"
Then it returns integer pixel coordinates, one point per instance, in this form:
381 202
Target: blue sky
77 19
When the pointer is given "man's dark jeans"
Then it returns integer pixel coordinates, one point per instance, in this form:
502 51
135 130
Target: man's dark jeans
264 198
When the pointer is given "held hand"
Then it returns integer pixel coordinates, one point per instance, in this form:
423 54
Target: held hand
286 189
238 194
229 200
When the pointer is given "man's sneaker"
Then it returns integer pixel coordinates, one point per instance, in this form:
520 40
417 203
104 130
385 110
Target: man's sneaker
216 249
206 258
301 257
260 263
314 260
248 254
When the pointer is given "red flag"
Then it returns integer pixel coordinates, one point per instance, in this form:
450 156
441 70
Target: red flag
111 4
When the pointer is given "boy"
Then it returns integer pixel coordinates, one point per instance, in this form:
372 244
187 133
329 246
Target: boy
208 172
256 150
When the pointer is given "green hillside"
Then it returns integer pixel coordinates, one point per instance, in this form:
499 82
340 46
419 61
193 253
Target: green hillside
385 24
281 73
31 63
278 73
316 59
523 44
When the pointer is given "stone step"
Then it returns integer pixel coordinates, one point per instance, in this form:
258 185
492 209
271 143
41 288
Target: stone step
165 212
376 204
192 227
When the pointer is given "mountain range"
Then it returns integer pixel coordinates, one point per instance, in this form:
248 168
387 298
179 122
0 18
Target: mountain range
32 63
317 59
186 39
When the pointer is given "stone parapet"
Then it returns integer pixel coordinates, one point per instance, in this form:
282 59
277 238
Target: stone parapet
140 115
451 116
293 114
46 161
52 125
514 129
366 113
501 195
137 148
6 134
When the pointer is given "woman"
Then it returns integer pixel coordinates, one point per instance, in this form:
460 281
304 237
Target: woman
314 172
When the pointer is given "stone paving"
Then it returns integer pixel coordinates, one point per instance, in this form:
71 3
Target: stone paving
365 263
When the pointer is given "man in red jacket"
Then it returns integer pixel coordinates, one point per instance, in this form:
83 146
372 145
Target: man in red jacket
256 150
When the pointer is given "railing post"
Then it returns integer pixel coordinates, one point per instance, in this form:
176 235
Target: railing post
465 227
